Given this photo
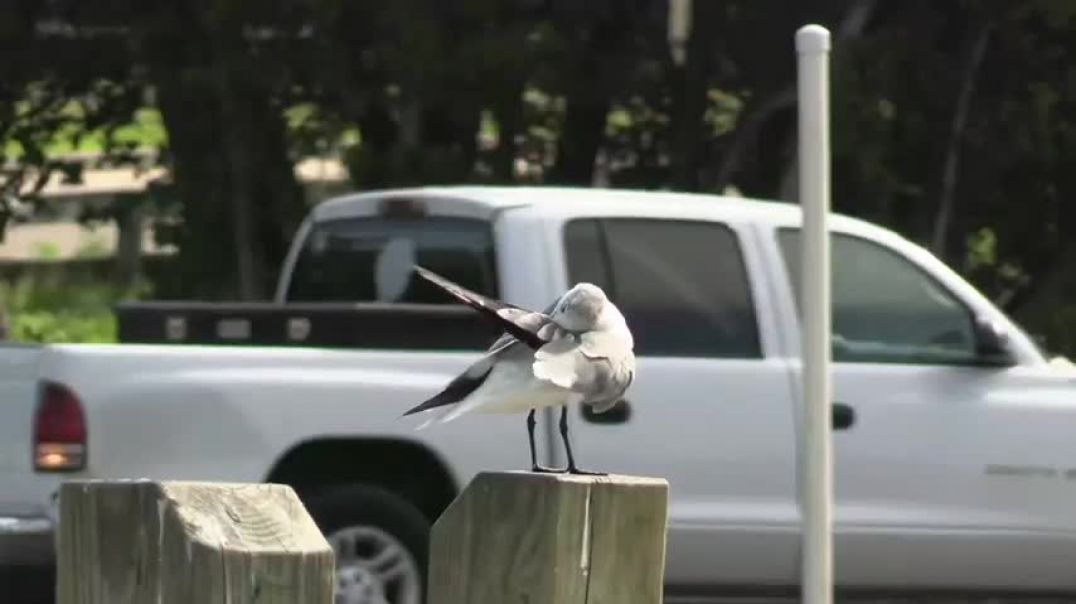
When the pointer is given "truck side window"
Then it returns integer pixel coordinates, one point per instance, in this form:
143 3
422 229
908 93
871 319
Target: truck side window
682 285
885 308
370 259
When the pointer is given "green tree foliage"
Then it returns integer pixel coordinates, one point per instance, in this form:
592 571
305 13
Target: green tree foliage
953 121
42 309
58 92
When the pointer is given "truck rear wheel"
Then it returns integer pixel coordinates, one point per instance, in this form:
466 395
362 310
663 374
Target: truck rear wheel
380 540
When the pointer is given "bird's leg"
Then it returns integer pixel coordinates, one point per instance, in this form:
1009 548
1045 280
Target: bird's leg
572 469
534 453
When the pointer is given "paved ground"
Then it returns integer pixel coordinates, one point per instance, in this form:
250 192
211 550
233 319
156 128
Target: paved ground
868 600
35 587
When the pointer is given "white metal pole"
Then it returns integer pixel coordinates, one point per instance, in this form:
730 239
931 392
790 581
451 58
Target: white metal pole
812 49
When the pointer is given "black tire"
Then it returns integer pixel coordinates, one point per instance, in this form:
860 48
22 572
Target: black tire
338 507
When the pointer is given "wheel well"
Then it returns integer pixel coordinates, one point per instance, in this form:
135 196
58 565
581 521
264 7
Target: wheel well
406 468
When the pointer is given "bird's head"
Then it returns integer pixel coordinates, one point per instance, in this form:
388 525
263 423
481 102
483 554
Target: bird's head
581 308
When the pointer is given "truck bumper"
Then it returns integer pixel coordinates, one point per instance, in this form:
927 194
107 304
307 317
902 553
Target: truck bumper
26 541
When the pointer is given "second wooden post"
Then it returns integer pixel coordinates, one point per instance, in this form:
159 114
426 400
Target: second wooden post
551 538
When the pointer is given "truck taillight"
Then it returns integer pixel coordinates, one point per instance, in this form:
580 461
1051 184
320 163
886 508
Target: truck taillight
59 430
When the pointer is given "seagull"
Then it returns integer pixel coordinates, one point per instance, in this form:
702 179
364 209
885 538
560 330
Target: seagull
578 350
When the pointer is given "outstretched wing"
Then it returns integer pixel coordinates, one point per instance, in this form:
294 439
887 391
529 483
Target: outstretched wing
521 324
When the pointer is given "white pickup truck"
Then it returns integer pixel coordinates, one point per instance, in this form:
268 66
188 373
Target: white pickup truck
955 439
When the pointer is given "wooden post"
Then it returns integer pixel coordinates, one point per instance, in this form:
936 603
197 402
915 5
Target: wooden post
130 218
551 538
174 542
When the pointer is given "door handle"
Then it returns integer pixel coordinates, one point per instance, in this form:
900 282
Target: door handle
618 414
843 416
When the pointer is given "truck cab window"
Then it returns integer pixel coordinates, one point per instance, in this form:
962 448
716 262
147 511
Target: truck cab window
682 285
885 308
370 259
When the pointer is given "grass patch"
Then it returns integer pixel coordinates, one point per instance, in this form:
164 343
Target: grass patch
42 311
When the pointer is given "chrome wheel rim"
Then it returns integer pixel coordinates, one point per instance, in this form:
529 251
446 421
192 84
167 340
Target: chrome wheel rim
373 567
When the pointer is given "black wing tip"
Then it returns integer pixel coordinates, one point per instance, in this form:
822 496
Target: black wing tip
456 390
429 275
414 410
433 403
449 287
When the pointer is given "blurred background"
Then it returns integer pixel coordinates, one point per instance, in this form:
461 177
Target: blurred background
169 150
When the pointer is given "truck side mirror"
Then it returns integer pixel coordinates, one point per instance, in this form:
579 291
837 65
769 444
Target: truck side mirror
992 343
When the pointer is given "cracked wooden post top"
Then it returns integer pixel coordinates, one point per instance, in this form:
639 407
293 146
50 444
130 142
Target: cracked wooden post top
551 539
139 541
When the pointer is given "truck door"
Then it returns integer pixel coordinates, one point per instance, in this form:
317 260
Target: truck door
948 472
710 409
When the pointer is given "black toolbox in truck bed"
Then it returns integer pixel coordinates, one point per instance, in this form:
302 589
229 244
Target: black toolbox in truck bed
332 324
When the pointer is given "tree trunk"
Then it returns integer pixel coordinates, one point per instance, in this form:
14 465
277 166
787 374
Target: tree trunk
690 85
580 138
747 132
594 73
191 117
239 197
851 27
248 257
508 111
950 171
129 222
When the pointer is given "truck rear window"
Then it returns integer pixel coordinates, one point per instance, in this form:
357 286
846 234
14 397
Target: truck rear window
369 259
